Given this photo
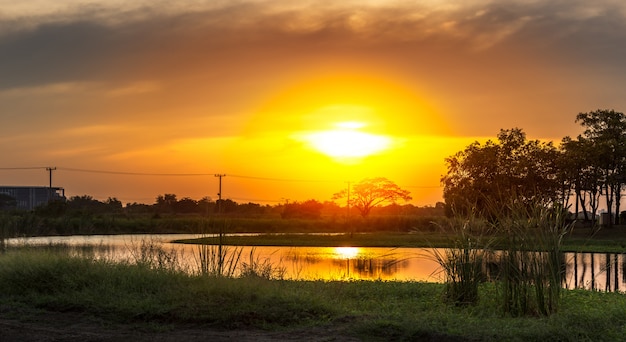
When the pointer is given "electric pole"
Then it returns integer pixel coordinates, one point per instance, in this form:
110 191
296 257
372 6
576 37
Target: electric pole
50 169
348 204
219 194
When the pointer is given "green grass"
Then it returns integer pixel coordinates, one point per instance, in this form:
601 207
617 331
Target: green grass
375 311
609 242
338 240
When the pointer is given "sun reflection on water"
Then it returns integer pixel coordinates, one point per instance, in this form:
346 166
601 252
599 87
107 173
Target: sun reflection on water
347 252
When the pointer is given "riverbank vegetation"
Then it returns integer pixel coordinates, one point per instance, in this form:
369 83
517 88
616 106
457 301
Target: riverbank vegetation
578 240
156 296
83 215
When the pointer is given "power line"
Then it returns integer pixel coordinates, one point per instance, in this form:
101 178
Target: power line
254 200
24 168
285 179
126 173
133 173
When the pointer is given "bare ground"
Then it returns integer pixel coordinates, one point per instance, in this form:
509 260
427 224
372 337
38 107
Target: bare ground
27 325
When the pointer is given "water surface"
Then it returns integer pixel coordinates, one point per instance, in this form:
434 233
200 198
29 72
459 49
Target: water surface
598 271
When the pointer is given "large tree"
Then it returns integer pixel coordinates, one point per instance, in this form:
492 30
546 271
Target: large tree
581 173
371 192
483 177
606 132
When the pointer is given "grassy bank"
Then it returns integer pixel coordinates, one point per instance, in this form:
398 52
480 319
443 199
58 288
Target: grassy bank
607 241
386 239
165 298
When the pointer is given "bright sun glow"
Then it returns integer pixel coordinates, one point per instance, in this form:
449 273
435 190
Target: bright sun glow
346 141
347 252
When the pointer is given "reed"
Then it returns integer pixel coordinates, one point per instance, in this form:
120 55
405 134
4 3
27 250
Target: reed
150 254
219 260
532 265
463 261
528 267
261 268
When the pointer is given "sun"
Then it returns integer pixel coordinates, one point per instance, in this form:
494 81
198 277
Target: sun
347 140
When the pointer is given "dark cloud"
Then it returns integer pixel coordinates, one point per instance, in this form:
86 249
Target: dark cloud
53 53
504 51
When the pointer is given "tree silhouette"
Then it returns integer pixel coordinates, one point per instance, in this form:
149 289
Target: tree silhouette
310 209
371 192
511 169
580 171
606 131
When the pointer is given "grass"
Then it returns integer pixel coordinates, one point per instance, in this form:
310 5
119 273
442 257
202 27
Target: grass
375 311
606 241
386 239
463 260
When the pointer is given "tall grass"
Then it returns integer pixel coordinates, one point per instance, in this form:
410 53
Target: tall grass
151 254
261 268
529 264
462 263
532 264
223 260
219 259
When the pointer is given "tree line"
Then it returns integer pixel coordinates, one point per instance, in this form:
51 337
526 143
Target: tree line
170 204
577 175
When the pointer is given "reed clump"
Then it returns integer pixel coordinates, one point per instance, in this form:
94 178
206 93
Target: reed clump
518 246
462 263
532 265
218 259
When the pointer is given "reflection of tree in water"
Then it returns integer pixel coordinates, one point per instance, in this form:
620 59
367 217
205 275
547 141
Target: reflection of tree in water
373 268
605 276
303 258
494 264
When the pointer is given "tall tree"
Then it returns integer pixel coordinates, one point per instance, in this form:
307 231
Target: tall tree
580 166
606 130
513 168
166 203
371 192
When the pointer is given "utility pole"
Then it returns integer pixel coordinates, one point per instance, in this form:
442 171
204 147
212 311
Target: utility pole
50 169
219 194
348 204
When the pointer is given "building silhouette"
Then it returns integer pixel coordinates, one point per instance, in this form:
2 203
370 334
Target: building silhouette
30 197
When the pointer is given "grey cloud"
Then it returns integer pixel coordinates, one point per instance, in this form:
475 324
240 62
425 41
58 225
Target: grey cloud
146 43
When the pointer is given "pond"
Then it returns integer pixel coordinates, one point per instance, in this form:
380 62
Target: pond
594 271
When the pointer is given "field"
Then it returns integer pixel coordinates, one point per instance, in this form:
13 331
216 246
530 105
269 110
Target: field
60 297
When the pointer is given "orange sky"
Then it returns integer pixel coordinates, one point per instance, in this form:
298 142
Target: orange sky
241 87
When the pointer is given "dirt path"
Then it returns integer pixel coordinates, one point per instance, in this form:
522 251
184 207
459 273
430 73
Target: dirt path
44 327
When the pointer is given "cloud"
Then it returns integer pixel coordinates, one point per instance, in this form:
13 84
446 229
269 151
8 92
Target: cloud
54 89
135 88
221 58
102 41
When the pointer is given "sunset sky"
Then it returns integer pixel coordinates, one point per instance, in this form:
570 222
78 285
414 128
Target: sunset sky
289 99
